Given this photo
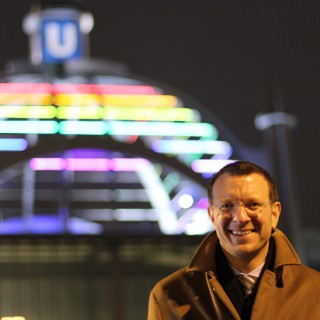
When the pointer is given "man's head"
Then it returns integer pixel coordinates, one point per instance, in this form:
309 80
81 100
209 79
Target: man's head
244 208
244 168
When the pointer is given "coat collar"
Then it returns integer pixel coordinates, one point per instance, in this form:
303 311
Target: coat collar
204 258
285 253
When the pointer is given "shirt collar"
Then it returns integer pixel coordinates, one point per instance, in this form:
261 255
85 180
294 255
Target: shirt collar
256 272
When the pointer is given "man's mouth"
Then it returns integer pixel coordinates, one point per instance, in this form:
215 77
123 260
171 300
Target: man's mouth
241 232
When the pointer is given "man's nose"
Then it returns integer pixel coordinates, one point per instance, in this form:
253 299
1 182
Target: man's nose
240 214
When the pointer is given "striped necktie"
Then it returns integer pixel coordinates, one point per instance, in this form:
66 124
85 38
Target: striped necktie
247 282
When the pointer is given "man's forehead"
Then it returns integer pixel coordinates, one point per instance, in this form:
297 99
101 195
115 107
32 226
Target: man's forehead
227 180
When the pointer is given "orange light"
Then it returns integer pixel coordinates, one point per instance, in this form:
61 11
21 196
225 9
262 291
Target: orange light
36 99
77 100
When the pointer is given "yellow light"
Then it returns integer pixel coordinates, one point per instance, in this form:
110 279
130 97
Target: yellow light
149 114
156 101
77 100
71 112
28 112
13 318
25 99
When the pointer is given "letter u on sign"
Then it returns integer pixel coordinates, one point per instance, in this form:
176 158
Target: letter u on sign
60 41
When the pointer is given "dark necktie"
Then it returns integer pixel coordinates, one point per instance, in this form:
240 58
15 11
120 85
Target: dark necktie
247 283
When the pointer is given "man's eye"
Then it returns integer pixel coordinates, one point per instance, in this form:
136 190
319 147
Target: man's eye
227 206
253 205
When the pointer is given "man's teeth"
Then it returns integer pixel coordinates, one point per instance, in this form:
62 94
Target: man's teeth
241 233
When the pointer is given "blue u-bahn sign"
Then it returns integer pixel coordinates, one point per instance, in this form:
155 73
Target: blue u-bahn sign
60 40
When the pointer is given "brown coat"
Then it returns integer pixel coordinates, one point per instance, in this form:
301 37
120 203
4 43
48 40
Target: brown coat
290 292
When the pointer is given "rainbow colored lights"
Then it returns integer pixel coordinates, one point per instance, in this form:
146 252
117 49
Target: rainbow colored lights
163 123
129 111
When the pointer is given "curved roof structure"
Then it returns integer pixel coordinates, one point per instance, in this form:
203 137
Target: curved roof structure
86 147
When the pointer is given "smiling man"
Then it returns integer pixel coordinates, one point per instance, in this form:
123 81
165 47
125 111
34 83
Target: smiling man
246 268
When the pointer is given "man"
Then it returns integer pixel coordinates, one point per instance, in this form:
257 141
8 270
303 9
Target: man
244 209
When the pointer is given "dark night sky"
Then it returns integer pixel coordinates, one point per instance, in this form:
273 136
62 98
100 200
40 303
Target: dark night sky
225 54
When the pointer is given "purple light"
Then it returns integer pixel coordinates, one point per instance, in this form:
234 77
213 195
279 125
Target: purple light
123 164
48 224
203 203
41 164
88 164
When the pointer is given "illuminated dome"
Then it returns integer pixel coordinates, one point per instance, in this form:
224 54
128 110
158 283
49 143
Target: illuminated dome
87 147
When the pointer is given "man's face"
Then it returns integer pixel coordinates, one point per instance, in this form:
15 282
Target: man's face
243 235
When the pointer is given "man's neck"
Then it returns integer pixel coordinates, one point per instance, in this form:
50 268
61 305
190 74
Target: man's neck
247 263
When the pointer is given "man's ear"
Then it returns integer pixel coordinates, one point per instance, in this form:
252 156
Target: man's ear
276 210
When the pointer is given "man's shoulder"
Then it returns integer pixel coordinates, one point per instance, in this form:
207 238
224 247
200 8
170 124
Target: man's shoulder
313 273
306 274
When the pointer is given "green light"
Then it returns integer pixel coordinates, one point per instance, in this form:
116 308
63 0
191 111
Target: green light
75 112
31 126
162 129
149 114
83 127
28 112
